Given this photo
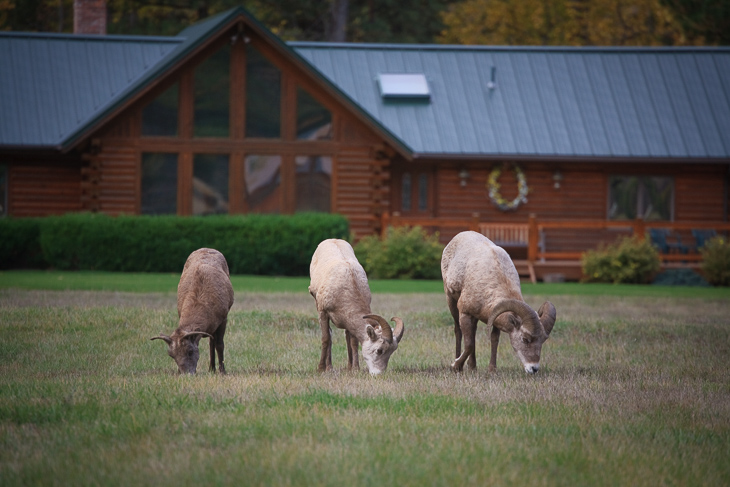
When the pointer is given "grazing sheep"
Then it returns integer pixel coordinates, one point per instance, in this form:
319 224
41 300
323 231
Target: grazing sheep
340 290
481 283
204 297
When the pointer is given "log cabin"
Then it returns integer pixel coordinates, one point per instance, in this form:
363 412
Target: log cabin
547 150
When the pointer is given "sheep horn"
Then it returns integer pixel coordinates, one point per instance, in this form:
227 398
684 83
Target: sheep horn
547 316
193 333
384 326
399 328
530 320
167 339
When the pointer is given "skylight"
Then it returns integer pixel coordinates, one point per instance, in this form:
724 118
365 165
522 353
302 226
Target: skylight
404 86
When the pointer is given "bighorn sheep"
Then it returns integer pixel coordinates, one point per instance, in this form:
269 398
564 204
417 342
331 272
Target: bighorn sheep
481 283
204 297
340 290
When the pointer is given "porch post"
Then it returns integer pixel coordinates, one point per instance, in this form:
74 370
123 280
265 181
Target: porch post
532 238
639 228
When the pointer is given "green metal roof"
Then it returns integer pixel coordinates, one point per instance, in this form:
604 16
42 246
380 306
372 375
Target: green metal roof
663 103
522 102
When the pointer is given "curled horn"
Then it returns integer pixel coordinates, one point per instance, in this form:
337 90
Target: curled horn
530 320
193 333
399 328
167 339
384 326
547 316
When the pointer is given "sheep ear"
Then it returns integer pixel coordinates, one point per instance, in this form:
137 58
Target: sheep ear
167 339
371 333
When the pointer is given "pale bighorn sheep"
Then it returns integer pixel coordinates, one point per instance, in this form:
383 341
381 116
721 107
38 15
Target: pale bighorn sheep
340 290
481 283
204 297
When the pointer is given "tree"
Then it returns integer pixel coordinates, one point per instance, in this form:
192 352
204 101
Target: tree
704 21
562 22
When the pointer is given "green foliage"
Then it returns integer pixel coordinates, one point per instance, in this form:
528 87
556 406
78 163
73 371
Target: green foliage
562 22
627 261
405 253
253 244
716 261
19 245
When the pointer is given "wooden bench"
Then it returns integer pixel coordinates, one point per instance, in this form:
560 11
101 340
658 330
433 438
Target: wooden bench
512 235
509 234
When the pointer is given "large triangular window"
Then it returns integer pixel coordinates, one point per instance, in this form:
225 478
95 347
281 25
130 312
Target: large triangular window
159 117
314 122
211 95
263 96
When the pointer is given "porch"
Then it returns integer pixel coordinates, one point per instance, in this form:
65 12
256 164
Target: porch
551 250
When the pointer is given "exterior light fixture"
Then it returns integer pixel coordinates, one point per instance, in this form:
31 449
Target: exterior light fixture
557 179
464 176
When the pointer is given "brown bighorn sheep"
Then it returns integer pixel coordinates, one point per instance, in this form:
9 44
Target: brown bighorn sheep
481 283
204 297
340 290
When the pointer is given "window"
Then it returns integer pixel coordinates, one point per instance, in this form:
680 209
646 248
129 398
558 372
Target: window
263 96
212 85
412 86
263 183
406 192
415 199
210 184
3 190
159 117
159 184
631 197
314 122
313 175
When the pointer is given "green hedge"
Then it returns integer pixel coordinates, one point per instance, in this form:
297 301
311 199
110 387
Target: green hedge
20 246
252 244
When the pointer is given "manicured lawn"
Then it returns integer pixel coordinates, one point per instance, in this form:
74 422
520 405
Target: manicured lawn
167 283
633 390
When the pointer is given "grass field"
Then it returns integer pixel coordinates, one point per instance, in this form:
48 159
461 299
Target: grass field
634 389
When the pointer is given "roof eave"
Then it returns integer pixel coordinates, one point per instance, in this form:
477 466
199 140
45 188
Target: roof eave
567 158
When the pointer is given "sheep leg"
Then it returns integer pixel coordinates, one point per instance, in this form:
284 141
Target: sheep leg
457 327
494 338
219 346
468 330
353 361
325 360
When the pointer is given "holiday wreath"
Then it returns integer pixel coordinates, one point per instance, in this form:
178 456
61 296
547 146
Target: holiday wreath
493 187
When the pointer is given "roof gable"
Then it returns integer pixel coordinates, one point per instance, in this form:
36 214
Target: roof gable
52 84
58 87
546 102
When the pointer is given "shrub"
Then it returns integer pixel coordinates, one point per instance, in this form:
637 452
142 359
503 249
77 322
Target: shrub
19 243
629 260
404 253
252 244
716 261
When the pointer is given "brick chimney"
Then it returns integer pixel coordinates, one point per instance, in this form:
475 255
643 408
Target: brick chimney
90 17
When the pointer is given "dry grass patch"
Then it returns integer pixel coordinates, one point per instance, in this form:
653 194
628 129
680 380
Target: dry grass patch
632 391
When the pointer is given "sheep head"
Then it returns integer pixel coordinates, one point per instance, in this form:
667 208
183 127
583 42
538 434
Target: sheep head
527 330
183 348
382 342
